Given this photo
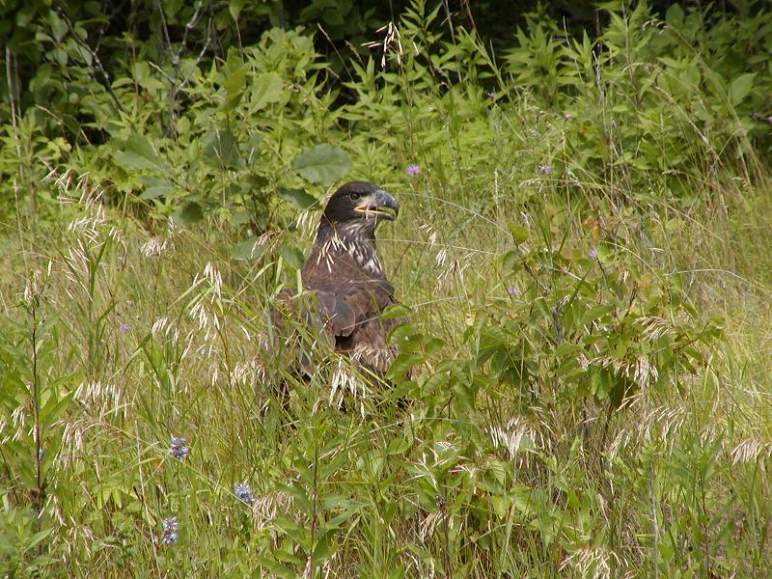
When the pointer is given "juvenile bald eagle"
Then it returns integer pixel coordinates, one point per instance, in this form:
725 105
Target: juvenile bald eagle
344 272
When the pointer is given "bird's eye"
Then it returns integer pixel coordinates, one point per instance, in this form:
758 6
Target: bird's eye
354 195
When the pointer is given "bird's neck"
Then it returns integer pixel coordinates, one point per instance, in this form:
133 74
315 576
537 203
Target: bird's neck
356 240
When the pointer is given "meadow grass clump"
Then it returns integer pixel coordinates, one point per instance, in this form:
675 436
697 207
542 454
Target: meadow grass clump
582 385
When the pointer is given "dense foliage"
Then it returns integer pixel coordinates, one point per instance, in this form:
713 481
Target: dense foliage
582 254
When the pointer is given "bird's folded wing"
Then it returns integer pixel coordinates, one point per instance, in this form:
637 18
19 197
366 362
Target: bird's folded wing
348 307
339 316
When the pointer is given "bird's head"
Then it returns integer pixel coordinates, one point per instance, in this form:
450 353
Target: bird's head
360 202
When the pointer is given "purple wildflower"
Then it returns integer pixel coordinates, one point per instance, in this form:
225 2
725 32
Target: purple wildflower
491 95
170 527
544 169
413 169
243 493
179 448
513 292
123 328
761 118
593 254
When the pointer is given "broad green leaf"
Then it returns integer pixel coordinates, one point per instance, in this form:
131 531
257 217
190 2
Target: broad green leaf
501 505
512 261
398 446
138 155
156 187
519 233
234 87
396 312
247 249
54 408
144 77
741 87
222 150
235 7
674 15
190 213
292 255
297 197
266 88
323 164
323 547
597 312
37 538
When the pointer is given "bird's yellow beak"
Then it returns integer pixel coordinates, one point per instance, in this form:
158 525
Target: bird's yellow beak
378 205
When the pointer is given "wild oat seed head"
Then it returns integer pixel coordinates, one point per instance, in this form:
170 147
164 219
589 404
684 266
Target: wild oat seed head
159 325
346 382
215 279
750 449
590 562
391 39
155 246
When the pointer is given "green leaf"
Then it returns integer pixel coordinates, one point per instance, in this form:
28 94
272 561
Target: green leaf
138 155
156 187
323 164
235 7
398 445
395 312
266 88
323 547
741 87
247 249
292 255
144 77
222 150
401 365
190 213
297 197
234 87
37 538
501 505
519 233
675 15
597 312
511 261
54 408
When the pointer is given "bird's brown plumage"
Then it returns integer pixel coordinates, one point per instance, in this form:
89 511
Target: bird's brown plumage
344 272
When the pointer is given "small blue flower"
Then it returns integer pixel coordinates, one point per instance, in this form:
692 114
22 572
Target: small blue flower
593 255
170 527
491 95
123 328
544 169
243 493
513 292
413 169
179 448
